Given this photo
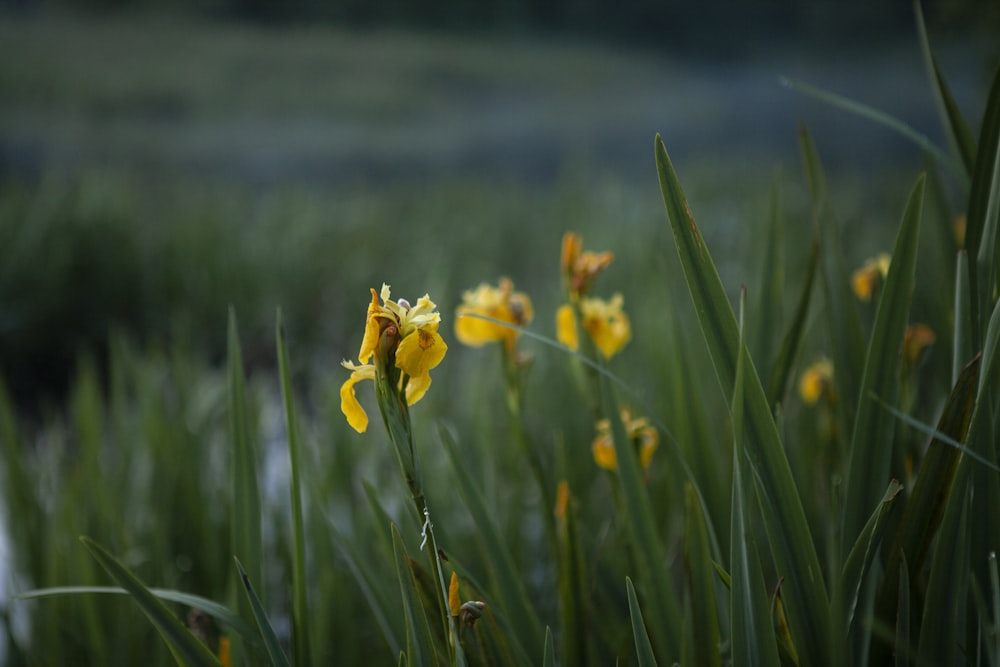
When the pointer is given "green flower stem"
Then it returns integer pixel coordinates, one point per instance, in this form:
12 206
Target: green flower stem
396 416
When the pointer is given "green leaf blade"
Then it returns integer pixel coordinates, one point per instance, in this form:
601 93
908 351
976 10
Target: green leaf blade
184 646
788 532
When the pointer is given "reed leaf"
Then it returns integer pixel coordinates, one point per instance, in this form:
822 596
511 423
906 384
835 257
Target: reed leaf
185 647
871 442
271 642
300 596
788 532
643 649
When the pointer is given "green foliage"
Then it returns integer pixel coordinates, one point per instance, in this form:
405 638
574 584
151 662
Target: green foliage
769 527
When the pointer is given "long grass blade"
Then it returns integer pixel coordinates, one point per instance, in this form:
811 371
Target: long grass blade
871 443
847 339
185 647
880 117
791 542
300 596
508 582
951 116
860 557
643 649
419 641
770 290
701 582
271 643
245 512
789 350
981 237
752 633
219 612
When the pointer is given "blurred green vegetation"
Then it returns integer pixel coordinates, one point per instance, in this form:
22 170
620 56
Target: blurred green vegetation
114 290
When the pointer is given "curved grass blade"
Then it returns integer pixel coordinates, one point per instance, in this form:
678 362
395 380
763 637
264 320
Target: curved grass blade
701 582
847 339
939 627
219 612
880 117
981 235
870 451
419 641
185 647
507 580
963 347
770 296
791 542
300 598
271 642
782 369
860 557
643 649
752 638
661 597
951 116
245 540
926 503
574 601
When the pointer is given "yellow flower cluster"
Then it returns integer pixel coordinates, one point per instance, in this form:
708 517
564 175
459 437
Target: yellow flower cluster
640 433
604 321
817 381
868 276
398 336
501 303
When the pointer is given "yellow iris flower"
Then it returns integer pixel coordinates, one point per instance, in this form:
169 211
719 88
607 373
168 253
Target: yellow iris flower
501 303
817 381
605 322
580 268
399 336
644 436
864 279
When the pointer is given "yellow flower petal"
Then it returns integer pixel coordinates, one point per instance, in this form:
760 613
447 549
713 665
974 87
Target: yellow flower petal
867 277
607 324
566 327
416 387
604 451
816 380
349 405
370 340
421 351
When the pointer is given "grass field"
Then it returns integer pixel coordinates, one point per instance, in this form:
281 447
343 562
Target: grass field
155 173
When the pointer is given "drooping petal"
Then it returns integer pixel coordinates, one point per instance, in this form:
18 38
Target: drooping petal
416 387
421 351
566 327
349 405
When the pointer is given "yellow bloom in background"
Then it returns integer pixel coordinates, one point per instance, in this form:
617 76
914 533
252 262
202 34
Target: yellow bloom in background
501 303
958 229
868 276
396 332
607 324
817 381
580 268
916 339
640 433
